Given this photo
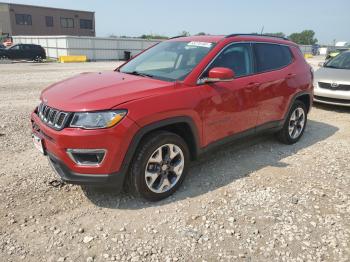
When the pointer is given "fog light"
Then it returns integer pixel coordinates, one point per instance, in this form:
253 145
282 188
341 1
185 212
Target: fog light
87 157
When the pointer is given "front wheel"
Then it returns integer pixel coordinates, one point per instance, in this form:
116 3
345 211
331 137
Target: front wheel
295 124
159 166
4 58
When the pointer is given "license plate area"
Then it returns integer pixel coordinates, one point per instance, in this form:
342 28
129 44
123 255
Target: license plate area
38 143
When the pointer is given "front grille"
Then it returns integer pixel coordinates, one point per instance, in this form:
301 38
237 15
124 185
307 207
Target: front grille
332 100
331 86
52 117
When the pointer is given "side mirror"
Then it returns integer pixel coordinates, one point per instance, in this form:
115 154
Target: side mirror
220 74
321 64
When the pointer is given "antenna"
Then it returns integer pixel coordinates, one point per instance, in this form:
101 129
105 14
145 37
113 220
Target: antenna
262 30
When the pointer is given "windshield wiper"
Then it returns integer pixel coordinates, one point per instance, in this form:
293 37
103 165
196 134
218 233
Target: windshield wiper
329 66
136 73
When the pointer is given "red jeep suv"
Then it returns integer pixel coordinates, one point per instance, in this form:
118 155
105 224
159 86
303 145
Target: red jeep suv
145 121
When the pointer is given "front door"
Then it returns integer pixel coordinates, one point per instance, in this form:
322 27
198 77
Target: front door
16 52
230 107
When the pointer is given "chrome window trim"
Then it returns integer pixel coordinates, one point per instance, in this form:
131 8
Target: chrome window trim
200 79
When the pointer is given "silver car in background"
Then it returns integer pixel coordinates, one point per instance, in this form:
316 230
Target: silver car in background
332 81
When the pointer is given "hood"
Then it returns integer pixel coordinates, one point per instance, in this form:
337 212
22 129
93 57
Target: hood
332 75
100 91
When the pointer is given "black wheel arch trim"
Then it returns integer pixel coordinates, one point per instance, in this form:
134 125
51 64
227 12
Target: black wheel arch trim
143 131
295 97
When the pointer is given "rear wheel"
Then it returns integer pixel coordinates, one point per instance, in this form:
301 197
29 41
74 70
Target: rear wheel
38 59
159 166
294 125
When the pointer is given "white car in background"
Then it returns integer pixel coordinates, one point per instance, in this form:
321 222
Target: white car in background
332 81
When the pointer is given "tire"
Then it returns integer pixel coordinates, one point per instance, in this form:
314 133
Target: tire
155 174
286 135
38 59
4 58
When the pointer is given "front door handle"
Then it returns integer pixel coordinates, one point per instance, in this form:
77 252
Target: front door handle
253 84
290 76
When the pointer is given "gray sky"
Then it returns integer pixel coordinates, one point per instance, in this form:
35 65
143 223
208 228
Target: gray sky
329 19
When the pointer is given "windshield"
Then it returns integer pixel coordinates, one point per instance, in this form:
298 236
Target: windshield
169 61
341 61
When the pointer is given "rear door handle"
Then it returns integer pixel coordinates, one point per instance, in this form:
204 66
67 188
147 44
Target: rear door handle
253 84
290 76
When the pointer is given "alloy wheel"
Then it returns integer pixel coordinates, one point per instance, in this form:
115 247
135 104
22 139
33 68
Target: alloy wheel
164 168
296 123
38 59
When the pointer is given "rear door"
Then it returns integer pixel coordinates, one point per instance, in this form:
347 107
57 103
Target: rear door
29 51
273 66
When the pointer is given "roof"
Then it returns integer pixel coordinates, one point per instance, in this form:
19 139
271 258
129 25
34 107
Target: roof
199 38
55 8
238 37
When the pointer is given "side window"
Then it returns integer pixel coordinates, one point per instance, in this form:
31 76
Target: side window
15 47
237 57
271 57
26 47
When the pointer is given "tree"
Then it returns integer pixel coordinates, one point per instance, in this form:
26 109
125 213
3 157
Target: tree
154 36
201 33
185 33
306 37
278 34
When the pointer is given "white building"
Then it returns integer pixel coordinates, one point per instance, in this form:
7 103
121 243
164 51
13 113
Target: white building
95 48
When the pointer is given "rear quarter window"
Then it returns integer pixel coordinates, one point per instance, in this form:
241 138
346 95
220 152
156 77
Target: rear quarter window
271 56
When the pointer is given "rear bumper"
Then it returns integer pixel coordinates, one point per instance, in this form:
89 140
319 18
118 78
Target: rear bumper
115 180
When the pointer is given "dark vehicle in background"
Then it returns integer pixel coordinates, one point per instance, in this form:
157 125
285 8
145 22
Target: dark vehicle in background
24 52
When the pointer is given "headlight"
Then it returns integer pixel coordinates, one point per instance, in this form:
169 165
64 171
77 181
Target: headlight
95 120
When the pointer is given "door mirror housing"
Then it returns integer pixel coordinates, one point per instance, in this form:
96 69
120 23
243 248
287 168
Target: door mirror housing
220 74
321 64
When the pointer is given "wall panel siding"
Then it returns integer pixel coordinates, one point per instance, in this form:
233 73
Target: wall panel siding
95 48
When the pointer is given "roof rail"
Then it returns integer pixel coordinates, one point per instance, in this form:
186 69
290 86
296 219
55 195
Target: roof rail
178 36
232 35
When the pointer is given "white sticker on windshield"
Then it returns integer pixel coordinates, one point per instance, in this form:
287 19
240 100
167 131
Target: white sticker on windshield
200 44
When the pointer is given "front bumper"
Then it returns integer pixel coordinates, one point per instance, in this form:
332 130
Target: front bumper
115 141
115 180
332 97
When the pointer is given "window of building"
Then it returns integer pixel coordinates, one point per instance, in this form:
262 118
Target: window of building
85 24
272 56
67 22
23 19
49 21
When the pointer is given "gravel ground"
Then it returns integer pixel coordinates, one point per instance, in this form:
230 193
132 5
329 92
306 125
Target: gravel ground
257 200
